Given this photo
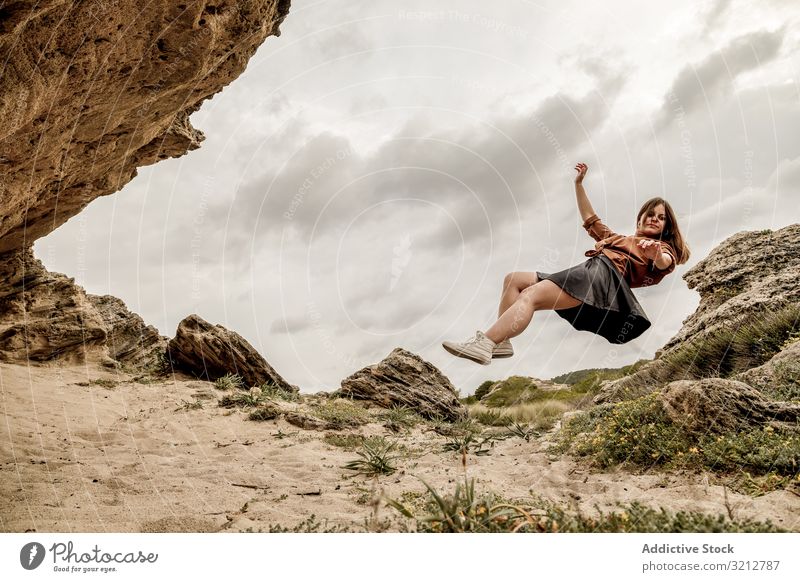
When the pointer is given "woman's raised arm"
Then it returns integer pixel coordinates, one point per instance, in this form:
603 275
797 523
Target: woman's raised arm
584 206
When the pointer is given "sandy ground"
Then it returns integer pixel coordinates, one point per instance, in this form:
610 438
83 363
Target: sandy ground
85 458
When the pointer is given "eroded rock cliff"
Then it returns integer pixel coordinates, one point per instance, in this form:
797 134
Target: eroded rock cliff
45 316
91 90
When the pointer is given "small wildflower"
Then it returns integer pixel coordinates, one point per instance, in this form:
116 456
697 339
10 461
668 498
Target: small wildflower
693 450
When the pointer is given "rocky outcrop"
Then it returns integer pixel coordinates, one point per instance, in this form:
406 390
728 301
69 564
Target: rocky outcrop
778 378
403 378
746 278
92 90
717 405
46 316
211 351
749 273
129 339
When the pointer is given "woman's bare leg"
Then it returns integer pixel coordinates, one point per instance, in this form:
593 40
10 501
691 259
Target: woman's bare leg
514 320
513 285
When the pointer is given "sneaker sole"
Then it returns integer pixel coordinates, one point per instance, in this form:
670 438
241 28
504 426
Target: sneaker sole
502 355
460 354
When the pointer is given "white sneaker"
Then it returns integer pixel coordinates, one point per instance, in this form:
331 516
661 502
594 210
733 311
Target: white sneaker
503 350
477 348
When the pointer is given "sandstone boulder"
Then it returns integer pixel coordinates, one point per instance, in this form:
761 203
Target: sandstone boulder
717 405
129 340
46 316
751 272
779 378
403 378
210 351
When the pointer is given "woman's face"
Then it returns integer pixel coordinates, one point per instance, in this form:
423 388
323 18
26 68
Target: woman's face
652 223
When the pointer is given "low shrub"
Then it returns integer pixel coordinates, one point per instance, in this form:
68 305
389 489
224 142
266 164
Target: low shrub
639 432
466 511
342 412
264 412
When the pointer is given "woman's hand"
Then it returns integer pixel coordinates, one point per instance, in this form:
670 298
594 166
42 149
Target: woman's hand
651 248
581 169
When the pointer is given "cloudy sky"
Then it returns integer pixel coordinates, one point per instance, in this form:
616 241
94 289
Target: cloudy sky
376 171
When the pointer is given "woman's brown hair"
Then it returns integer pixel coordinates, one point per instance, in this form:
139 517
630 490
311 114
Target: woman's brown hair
671 233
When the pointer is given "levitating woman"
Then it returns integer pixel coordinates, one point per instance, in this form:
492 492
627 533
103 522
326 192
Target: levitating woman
595 295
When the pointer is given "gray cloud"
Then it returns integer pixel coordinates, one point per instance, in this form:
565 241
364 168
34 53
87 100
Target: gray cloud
290 324
713 77
716 11
340 41
480 174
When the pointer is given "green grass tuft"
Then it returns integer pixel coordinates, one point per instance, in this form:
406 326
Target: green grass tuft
737 346
376 458
473 443
229 382
490 416
400 418
542 414
516 429
274 392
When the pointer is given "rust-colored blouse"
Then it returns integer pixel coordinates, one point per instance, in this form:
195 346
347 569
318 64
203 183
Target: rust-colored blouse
627 256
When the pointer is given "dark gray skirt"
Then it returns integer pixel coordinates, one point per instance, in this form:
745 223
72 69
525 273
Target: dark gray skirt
609 307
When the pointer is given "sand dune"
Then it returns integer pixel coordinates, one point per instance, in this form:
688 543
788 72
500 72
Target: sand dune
86 458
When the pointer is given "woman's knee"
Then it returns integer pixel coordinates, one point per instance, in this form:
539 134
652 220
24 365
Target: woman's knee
528 295
520 280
